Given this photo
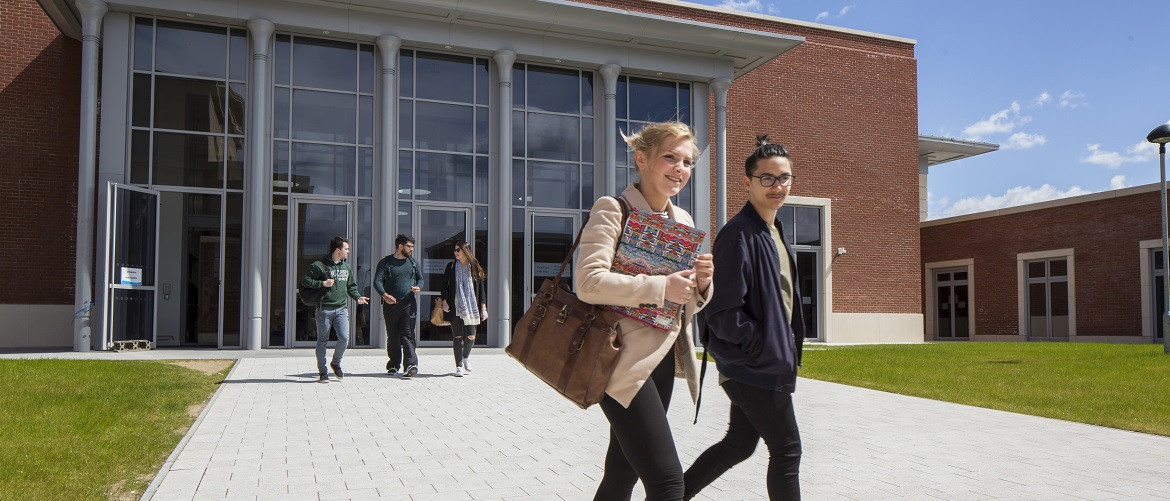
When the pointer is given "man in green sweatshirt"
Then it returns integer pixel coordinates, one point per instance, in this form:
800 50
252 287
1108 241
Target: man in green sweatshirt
333 271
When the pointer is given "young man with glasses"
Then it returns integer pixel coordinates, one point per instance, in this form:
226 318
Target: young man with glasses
397 280
756 330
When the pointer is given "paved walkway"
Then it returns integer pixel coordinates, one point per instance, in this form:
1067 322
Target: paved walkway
273 432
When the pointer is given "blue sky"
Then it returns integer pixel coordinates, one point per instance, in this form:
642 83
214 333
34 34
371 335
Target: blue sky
1068 90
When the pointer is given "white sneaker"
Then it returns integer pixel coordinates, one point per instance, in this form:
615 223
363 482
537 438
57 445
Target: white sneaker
466 368
458 372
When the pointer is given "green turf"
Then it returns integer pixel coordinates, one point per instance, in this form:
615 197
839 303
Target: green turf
73 429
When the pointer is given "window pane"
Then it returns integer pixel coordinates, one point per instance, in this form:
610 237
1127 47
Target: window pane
365 172
406 73
961 275
518 182
237 99
238 59
622 95
141 108
553 185
323 169
518 133
445 77
405 174
404 211
481 85
191 49
143 43
1037 310
553 89
446 177
1036 269
280 111
652 100
586 139
186 104
587 186
188 160
445 127
366 120
684 103
405 123
553 137
324 116
518 87
587 93
366 67
944 277
481 179
1058 268
363 269
324 64
140 157
1158 260
280 166
481 131
1060 318
808 226
621 152
235 163
280 61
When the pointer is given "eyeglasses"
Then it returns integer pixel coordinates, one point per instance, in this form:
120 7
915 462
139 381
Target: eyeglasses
768 180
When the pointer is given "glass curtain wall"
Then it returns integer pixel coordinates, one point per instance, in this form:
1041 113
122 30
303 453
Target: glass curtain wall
641 101
322 148
552 152
443 152
187 136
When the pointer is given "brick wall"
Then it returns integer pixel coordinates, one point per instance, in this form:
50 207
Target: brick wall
39 106
1104 236
846 106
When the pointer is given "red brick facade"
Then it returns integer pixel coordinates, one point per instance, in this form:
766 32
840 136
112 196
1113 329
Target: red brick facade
1104 236
40 75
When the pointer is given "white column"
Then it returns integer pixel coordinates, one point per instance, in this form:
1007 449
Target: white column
923 172
386 191
92 12
609 74
258 188
500 300
720 86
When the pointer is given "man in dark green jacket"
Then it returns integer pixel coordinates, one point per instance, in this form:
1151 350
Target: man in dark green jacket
333 271
397 280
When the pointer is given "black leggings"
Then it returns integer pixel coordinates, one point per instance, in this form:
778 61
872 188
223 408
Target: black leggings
461 341
640 443
755 413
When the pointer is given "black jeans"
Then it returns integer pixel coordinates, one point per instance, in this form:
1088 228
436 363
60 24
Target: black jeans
640 442
400 343
755 413
460 338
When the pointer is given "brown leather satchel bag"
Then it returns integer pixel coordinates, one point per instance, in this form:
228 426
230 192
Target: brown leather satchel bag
569 344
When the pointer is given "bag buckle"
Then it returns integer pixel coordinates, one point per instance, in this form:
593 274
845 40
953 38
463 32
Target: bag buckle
564 314
543 310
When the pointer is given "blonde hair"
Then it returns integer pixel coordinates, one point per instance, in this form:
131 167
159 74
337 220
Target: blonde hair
653 136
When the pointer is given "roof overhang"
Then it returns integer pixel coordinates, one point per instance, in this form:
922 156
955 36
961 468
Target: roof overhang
936 150
555 19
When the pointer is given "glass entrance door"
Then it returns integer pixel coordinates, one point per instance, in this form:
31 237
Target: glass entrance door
190 239
131 296
952 319
313 224
439 228
808 277
549 237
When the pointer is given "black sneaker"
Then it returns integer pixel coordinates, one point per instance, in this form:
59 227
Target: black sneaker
410 371
324 378
391 370
337 370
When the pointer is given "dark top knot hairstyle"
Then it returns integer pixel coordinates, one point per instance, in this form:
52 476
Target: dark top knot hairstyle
765 148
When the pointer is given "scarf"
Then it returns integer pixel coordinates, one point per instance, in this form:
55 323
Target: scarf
465 304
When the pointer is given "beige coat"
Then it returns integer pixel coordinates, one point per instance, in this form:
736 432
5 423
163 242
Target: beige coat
642 346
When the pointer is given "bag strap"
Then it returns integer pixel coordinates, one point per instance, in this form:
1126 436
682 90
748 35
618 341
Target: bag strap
702 374
577 241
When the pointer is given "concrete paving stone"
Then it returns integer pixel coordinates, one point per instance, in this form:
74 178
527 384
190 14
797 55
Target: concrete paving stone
345 495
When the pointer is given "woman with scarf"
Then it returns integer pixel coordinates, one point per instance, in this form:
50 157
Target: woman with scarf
463 287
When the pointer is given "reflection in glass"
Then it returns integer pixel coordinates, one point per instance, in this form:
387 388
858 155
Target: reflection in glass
366 69
276 276
232 249
324 64
445 77
143 43
962 327
366 120
317 224
191 49
236 100
405 123
652 100
439 230
1058 307
235 163
134 241
443 176
140 157
554 137
323 169
445 127
238 59
141 107
324 116
587 93
188 104
133 315
553 185
280 111
481 179
943 312
281 60
406 73
808 226
1037 311
361 263
405 174
188 160
553 89
481 81
481 131
365 172
280 159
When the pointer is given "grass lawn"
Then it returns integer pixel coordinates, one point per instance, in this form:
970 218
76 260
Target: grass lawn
1119 386
88 429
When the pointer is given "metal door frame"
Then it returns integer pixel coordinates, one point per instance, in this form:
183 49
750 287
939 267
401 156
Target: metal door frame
951 284
426 295
529 215
111 224
293 275
1047 280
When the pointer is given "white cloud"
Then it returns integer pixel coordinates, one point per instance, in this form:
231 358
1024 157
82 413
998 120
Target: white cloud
748 5
822 16
1139 152
845 10
1020 195
1070 99
1000 122
1023 141
1041 100
826 15
1117 182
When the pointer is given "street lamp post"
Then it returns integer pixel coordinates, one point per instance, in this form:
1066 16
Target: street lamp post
1160 136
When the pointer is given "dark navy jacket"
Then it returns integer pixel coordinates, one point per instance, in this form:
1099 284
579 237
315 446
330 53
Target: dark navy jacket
750 338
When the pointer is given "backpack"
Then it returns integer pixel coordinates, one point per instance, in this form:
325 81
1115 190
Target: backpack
311 297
